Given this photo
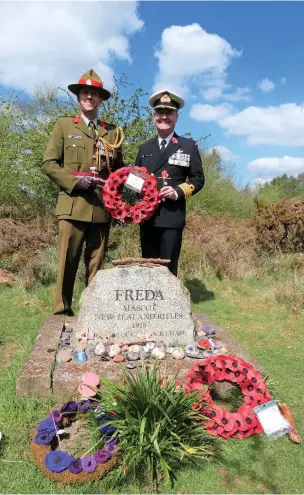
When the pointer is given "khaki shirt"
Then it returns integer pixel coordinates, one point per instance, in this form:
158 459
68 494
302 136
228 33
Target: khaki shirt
71 148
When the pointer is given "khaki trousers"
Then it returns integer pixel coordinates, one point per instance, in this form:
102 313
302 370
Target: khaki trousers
72 235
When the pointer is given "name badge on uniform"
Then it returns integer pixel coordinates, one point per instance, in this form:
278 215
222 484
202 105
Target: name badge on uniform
71 136
180 159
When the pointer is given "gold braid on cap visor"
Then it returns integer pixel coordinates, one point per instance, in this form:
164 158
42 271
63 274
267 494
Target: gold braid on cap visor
109 148
187 188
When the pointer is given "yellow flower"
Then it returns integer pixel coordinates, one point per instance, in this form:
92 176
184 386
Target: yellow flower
190 450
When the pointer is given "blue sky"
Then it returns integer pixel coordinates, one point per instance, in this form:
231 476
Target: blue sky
239 66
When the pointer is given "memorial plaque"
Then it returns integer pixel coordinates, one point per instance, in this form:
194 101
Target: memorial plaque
133 299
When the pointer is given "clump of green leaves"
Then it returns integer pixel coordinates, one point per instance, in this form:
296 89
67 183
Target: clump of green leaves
156 425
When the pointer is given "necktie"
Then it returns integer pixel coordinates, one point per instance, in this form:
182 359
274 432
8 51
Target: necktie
163 145
92 128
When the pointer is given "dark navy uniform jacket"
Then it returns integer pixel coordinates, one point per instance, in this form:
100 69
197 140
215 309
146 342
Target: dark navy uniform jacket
186 180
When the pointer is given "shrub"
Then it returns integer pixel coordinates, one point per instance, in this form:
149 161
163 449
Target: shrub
280 226
156 425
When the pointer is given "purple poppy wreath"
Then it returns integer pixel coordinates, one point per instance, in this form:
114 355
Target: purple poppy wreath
60 465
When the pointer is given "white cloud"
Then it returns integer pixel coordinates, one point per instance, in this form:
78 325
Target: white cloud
226 154
216 92
266 85
258 182
208 113
274 166
281 126
50 43
188 54
240 94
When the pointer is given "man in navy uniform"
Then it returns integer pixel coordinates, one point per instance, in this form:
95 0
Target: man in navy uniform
176 162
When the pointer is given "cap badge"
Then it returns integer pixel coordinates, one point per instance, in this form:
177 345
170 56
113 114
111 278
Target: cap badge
165 98
89 82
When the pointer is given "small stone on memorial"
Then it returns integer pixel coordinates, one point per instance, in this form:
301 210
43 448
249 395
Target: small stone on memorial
100 349
201 333
158 353
203 344
131 366
144 355
191 351
150 345
114 350
135 348
63 356
178 353
132 356
119 358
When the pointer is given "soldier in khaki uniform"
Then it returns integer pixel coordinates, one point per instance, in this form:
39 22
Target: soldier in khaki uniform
80 154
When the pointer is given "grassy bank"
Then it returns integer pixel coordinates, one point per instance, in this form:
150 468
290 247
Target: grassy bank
260 313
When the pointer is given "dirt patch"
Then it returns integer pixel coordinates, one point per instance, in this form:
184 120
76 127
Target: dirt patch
6 277
7 354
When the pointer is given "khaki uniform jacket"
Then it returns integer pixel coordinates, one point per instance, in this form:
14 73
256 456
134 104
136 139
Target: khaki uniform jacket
71 148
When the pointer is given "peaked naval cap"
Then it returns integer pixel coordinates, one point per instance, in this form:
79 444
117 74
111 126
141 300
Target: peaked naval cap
90 79
166 99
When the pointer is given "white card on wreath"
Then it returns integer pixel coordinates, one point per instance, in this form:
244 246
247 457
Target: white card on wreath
135 182
273 422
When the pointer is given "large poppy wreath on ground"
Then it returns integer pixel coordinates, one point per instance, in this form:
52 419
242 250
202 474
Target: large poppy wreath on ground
239 424
144 203
58 464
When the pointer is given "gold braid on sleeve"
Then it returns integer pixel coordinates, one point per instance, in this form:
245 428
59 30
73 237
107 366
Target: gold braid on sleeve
187 188
109 148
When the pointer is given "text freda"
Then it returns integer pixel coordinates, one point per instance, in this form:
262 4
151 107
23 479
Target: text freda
138 295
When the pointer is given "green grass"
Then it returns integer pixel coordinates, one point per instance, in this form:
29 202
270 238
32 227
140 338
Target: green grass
250 312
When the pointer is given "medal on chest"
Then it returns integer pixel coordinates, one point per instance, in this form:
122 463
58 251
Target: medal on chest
180 159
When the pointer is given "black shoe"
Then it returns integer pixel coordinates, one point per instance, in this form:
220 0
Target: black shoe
66 312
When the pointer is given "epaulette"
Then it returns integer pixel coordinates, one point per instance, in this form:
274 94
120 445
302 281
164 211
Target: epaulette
109 126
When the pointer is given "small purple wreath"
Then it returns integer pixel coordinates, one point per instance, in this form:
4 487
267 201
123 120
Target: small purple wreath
49 428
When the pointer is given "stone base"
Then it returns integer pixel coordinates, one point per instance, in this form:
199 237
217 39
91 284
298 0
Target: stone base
42 375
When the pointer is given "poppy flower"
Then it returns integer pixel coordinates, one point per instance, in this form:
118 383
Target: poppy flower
45 437
174 140
191 374
213 428
102 456
57 461
248 419
107 430
258 428
248 433
227 422
47 424
75 466
246 387
56 415
88 464
70 406
197 386
230 433
84 405
111 445
103 418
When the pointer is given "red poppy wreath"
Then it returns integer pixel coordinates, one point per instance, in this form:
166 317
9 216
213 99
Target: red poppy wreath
127 205
239 424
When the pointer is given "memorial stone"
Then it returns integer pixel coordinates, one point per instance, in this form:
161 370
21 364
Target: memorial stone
129 300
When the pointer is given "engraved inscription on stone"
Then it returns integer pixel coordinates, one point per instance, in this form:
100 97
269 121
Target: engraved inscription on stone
133 299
